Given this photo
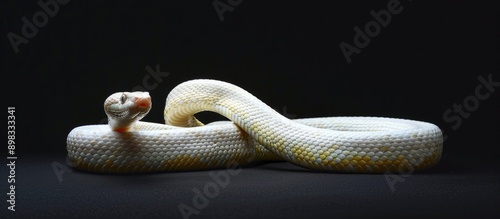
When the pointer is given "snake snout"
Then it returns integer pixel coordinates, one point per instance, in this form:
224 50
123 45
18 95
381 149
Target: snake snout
143 101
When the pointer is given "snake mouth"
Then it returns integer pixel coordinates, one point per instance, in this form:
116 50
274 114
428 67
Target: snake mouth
134 117
143 106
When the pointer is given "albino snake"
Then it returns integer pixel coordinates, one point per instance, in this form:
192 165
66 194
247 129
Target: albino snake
257 132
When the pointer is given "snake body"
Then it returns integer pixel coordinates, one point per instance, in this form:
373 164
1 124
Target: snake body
255 132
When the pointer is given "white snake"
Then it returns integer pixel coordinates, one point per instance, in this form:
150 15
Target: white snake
257 132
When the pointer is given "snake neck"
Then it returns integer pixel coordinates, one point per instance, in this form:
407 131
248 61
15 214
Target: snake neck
196 96
223 98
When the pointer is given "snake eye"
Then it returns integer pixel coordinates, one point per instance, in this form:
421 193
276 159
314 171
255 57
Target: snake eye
123 98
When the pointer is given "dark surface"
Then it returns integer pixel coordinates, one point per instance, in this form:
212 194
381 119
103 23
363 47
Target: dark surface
425 62
272 190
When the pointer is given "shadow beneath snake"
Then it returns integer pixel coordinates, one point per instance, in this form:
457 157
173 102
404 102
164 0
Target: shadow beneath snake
252 165
444 167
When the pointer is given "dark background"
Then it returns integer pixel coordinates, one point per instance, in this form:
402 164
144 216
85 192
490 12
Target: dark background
286 53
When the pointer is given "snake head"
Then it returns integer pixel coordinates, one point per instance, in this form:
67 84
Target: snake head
125 108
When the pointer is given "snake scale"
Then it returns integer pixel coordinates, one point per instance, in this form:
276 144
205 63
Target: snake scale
256 132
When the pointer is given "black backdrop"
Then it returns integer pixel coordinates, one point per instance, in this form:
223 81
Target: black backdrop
428 57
